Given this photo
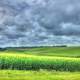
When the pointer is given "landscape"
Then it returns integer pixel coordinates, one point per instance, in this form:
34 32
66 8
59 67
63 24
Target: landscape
39 39
40 63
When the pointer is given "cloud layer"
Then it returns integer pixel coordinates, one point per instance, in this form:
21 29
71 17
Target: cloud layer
39 22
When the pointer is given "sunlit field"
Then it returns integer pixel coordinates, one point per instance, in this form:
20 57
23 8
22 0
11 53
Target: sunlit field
38 75
48 51
47 63
32 62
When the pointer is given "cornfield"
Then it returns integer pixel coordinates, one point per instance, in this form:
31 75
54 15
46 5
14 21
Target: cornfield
32 62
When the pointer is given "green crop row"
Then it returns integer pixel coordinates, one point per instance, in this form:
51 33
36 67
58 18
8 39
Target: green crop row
28 62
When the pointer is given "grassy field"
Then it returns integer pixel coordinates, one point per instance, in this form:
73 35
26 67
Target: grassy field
49 51
48 63
38 75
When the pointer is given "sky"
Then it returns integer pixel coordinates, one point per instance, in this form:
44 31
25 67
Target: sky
39 22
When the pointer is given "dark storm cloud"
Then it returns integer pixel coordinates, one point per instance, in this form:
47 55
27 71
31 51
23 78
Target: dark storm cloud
39 22
59 12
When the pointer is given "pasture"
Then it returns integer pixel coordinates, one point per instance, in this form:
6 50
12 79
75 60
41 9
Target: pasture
47 51
54 62
38 75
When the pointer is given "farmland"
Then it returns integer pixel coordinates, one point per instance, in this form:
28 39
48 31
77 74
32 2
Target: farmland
59 61
31 62
48 51
38 75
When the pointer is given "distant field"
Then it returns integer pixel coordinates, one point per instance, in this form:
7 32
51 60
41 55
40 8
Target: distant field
38 75
49 51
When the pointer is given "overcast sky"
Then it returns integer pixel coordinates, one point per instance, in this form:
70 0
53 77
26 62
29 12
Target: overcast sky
39 22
